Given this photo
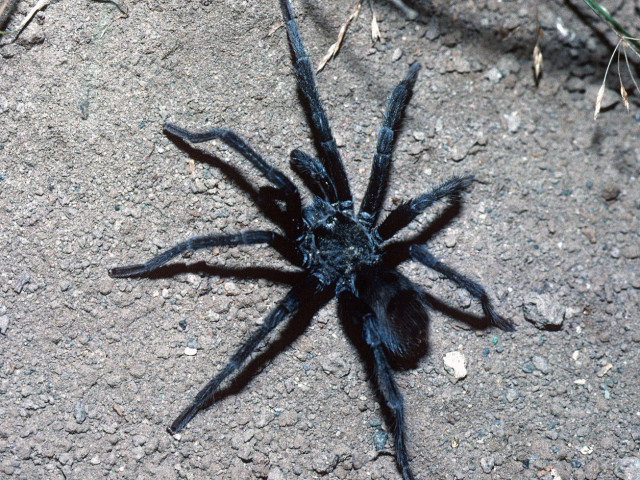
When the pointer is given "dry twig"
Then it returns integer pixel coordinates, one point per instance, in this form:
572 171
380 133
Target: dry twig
39 6
335 48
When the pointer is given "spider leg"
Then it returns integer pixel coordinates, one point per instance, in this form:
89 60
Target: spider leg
271 173
320 123
422 255
288 306
198 243
407 212
376 190
383 373
390 393
314 175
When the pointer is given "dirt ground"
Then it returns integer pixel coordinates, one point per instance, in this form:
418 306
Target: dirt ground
93 369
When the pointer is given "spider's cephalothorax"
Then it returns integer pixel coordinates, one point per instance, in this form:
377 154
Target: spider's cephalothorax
342 253
336 245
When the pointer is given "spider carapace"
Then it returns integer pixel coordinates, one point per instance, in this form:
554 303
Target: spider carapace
336 245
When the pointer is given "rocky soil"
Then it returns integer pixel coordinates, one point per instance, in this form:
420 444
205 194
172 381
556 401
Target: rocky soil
93 370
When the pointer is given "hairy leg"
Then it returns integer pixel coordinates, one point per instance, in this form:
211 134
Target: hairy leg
288 306
363 316
199 243
329 154
403 215
314 175
271 173
422 255
389 392
376 191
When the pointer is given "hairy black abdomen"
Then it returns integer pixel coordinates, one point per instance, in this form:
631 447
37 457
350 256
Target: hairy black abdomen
401 314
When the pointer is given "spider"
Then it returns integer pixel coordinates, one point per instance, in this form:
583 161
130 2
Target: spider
342 253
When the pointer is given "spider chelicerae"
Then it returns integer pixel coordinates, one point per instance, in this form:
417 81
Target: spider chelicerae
342 253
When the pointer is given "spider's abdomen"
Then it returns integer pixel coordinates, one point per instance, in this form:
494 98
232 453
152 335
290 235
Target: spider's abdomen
401 316
335 244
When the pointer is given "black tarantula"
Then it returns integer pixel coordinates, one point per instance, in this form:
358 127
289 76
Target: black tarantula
342 253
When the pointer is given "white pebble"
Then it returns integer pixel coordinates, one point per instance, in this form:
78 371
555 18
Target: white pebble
190 351
455 365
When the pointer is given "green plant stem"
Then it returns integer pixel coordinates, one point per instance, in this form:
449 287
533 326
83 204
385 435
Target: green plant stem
619 29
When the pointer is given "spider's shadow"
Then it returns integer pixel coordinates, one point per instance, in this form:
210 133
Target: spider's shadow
268 207
398 252
294 328
246 273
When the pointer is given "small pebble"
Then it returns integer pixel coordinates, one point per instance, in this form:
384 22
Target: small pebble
455 364
105 286
23 279
275 474
335 364
79 412
610 192
190 351
493 75
375 422
4 324
628 468
380 439
590 234
198 186
513 122
631 252
541 364
450 241
230 288
487 463
397 53
592 470
325 463
419 136
543 311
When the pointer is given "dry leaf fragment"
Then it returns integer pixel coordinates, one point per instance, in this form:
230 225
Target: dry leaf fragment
335 48
599 101
603 371
375 31
537 53
275 29
624 95
118 410
537 61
